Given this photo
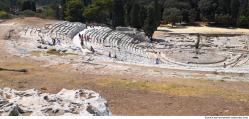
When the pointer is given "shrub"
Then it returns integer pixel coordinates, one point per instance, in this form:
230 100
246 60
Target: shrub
223 19
27 13
3 15
47 12
244 21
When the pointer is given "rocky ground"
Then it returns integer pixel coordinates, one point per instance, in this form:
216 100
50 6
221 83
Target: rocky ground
129 89
65 103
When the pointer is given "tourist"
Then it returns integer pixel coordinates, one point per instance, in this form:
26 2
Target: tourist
58 41
157 61
110 55
81 42
93 51
54 41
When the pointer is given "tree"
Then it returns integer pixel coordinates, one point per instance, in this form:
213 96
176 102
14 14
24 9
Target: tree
223 19
73 11
157 11
149 26
57 10
192 15
143 15
135 16
244 21
243 7
28 5
223 7
171 4
49 12
118 13
206 8
99 11
172 15
27 13
134 12
235 12
87 2
4 5
128 7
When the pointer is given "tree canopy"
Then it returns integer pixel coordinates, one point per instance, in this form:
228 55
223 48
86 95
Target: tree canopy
73 10
172 15
141 14
99 11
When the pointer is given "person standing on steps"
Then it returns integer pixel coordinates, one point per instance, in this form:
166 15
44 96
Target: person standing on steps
110 55
93 51
157 61
81 40
53 41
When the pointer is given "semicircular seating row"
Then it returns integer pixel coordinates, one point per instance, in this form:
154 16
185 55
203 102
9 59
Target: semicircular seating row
114 39
65 31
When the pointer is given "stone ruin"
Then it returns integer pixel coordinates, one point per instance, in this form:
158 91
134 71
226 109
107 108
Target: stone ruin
106 40
133 32
173 49
103 40
65 103
127 30
214 50
63 31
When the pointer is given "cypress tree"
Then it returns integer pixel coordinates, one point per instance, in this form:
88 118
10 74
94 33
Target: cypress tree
157 12
149 28
118 13
135 16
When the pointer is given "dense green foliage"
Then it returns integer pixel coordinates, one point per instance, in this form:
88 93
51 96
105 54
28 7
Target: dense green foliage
4 5
28 5
73 10
172 15
99 11
142 14
27 13
118 13
149 27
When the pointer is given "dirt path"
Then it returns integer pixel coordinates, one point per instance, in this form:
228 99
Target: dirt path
204 29
128 91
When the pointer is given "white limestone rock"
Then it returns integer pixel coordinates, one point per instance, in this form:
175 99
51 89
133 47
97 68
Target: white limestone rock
65 103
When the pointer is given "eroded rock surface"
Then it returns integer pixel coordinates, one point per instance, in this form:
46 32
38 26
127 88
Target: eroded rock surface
65 103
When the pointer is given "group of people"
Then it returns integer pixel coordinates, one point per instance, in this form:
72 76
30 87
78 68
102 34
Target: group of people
83 38
56 41
110 55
